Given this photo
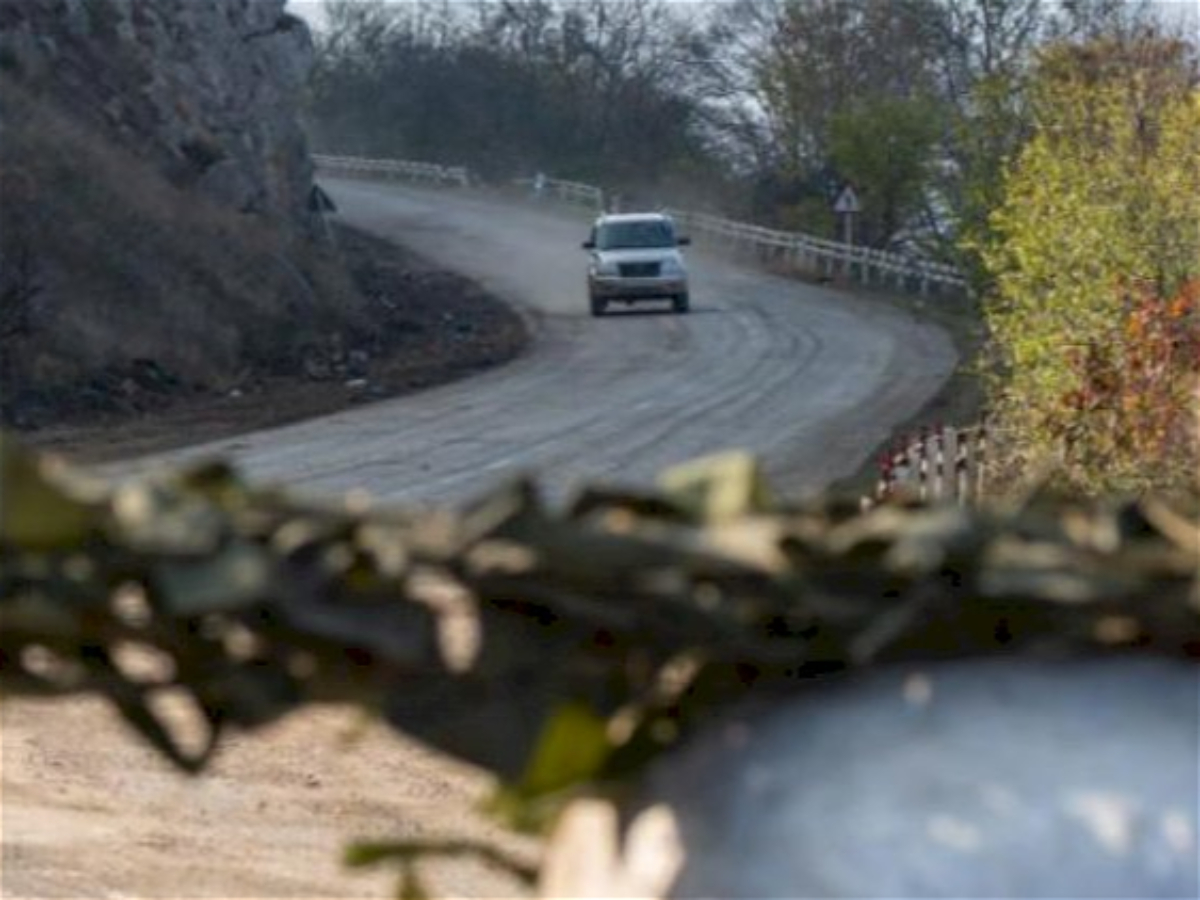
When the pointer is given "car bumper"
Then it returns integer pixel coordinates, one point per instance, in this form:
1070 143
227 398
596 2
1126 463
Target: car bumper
636 288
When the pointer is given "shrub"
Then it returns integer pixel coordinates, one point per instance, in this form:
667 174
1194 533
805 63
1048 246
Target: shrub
1095 253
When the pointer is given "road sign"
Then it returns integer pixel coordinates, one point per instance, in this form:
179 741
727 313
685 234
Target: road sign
847 201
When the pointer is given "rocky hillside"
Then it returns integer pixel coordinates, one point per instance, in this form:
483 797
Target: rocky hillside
154 179
206 91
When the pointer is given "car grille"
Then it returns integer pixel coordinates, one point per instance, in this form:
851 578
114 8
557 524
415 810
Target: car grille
638 270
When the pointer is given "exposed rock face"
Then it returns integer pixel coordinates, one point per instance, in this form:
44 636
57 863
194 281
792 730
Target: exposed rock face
154 182
207 90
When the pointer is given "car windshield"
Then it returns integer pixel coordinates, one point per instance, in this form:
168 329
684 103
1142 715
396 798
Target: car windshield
633 234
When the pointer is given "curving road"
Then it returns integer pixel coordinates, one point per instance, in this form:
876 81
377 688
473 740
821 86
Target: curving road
809 379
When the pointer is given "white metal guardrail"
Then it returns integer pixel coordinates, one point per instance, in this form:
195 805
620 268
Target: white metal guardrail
818 255
575 192
868 266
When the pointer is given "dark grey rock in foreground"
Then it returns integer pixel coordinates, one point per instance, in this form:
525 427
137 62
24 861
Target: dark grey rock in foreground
1003 778
988 778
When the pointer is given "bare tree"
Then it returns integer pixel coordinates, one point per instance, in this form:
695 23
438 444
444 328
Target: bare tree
593 88
785 70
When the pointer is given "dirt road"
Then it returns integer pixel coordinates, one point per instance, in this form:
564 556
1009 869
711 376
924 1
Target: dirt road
809 379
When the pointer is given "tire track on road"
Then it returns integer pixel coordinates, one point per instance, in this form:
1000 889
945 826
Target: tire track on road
781 368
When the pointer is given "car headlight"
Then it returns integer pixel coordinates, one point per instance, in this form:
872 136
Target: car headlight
604 269
672 268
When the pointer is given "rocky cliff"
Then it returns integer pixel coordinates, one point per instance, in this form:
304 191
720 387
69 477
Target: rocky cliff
206 90
154 181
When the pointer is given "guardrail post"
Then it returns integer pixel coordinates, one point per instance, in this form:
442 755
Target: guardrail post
923 463
883 486
981 447
939 461
961 465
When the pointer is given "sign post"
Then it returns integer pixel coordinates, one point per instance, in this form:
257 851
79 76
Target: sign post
847 206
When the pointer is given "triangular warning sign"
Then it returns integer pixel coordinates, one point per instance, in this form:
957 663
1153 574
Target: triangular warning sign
847 201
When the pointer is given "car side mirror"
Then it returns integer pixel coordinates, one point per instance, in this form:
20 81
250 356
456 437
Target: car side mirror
684 241
589 245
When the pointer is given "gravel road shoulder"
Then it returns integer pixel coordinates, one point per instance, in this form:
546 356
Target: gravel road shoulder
435 327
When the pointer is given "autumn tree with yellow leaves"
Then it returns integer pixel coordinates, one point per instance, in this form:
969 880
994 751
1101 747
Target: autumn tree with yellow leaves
1095 255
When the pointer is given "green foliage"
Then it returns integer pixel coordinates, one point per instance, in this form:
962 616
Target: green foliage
821 74
884 146
985 139
811 215
36 512
1103 200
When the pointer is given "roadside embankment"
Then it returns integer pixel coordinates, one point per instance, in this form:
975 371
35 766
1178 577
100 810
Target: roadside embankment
421 326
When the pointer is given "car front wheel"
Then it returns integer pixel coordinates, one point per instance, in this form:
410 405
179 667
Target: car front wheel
597 306
680 303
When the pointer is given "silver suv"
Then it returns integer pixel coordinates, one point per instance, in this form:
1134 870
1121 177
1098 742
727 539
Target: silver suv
635 256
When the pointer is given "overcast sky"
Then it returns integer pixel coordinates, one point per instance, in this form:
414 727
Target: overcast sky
1175 11
310 10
